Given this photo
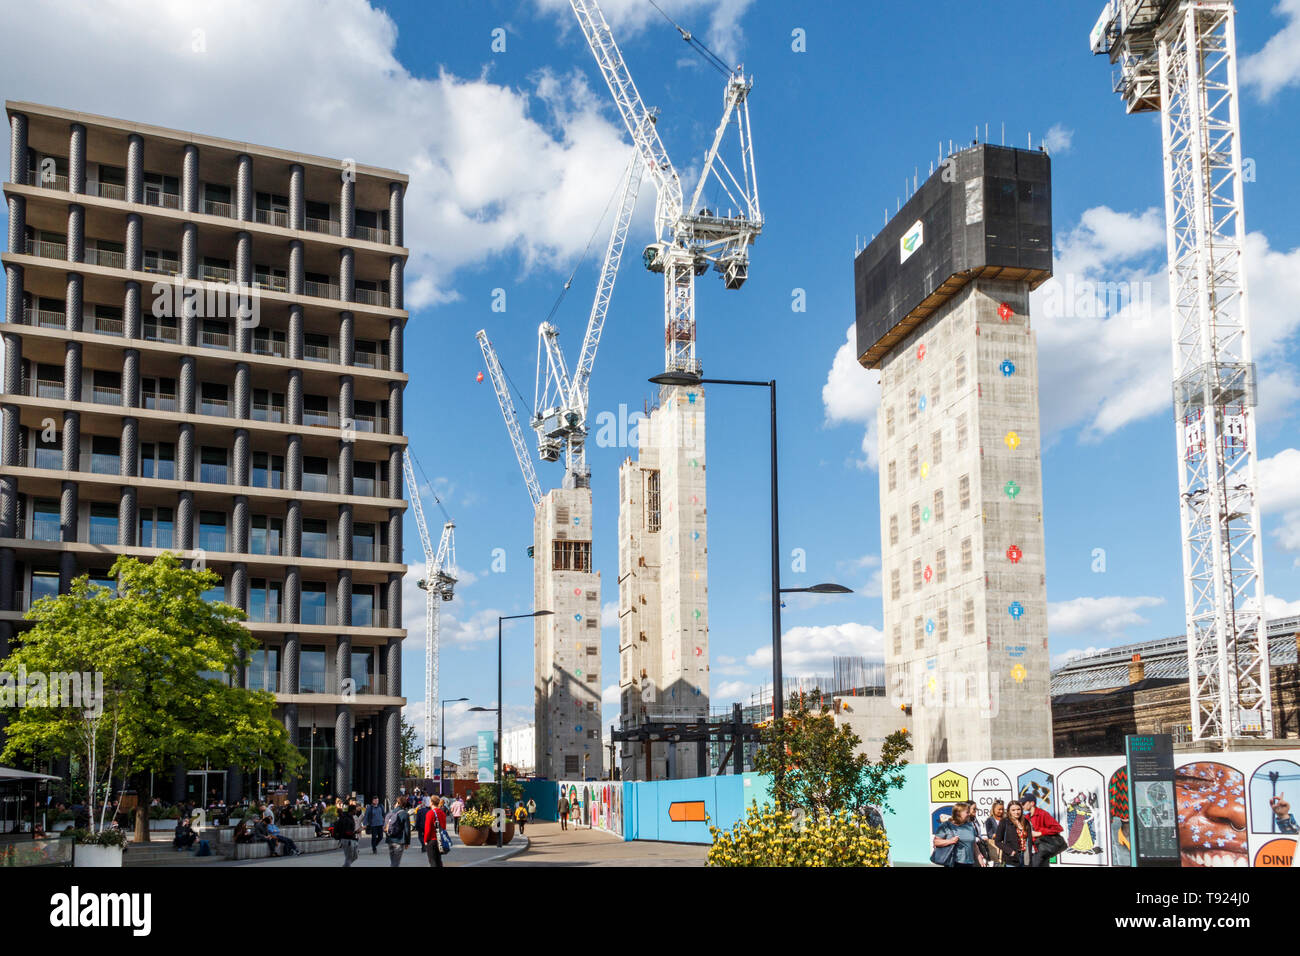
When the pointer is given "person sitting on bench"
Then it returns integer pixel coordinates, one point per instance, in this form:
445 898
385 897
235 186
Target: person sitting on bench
185 835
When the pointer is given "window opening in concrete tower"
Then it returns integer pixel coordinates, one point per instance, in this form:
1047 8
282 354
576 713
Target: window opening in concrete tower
652 516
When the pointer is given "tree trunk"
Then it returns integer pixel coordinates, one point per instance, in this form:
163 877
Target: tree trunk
143 799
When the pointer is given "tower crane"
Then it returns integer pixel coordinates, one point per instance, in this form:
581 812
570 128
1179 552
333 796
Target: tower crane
438 585
688 238
1179 58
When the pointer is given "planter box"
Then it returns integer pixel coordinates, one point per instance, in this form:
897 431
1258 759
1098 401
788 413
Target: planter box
473 836
97 856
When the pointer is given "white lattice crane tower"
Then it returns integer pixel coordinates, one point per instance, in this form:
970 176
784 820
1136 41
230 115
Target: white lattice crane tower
1179 57
438 585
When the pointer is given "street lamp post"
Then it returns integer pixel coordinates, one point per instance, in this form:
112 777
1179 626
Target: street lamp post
501 791
442 743
778 702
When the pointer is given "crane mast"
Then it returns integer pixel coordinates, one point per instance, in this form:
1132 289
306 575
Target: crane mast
687 240
1179 57
511 417
438 584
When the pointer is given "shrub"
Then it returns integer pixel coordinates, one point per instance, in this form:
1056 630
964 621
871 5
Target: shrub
772 837
474 817
106 837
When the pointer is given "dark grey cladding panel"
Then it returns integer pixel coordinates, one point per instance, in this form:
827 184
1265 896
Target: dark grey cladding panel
988 207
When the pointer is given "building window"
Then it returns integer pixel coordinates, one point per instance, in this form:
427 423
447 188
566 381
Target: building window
158 460
913 462
961 432
916 574
963 492
967 555
311 669
942 626
911 405
46 524
570 555
918 631
571 767
960 379
934 391
156 527
312 606
889 421
264 669
893 475
266 534
268 470
264 601
936 448
895 587
968 616
938 504
103 524
653 520
893 529
898 639
212 531
941 565
916 518
315 538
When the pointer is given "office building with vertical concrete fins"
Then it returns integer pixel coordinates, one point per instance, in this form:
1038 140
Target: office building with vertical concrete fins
203 354
943 312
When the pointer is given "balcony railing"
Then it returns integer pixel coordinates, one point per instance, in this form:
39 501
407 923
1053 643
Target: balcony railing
220 407
102 534
272 217
159 401
370 297
369 487
45 318
43 388
47 250
153 196
214 340
213 208
272 282
105 326
217 274
269 347
106 257
102 464
313 481
367 617
320 353
111 191
324 419
214 474
161 333
105 395
46 527
370 360
267 413
54 182
162 266
371 235
371 423
321 290
328 226
213 540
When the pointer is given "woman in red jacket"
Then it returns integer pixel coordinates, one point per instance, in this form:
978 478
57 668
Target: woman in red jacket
1048 841
434 821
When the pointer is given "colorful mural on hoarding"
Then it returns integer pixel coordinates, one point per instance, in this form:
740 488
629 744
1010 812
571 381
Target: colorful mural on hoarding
1232 809
594 804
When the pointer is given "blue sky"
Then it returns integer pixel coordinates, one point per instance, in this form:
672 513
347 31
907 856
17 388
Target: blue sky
513 156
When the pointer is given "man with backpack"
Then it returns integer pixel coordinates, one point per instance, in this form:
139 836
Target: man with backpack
421 815
345 831
397 831
374 823
1048 841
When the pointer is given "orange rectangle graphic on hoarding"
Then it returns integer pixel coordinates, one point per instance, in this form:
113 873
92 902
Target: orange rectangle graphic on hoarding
686 811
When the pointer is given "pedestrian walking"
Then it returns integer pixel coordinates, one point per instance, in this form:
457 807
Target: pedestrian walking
562 810
532 809
521 816
420 817
435 824
1015 836
397 831
345 831
960 834
457 808
1048 841
374 823
997 813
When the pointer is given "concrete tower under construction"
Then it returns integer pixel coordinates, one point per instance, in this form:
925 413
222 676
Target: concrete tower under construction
942 310
663 584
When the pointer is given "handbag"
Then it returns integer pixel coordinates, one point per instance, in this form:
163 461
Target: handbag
943 855
444 841
1050 846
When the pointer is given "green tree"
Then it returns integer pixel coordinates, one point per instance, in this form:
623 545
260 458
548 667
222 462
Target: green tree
412 758
166 657
823 772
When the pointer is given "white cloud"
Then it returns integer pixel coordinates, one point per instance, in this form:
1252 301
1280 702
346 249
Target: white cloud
1277 65
1059 139
1109 615
1279 494
493 169
852 394
729 691
609 614
727 666
807 651
630 18
1063 658
1276 607
610 699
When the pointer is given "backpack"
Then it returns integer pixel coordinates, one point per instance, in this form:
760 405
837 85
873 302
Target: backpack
393 823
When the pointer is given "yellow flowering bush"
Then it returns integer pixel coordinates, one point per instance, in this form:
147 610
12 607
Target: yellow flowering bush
772 837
